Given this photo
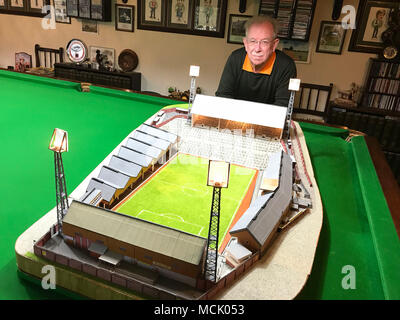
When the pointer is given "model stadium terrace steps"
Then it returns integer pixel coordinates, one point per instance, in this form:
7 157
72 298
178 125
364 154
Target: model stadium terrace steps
144 148
210 143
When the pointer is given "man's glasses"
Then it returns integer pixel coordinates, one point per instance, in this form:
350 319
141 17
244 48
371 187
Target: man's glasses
263 43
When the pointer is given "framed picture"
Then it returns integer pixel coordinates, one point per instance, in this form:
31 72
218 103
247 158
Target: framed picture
331 37
89 26
299 51
36 5
17 5
195 17
84 9
96 9
236 31
207 15
107 56
23 61
72 8
60 11
180 14
124 17
151 12
3 4
371 21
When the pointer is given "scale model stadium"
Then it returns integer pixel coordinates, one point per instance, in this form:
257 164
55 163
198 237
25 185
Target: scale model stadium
142 222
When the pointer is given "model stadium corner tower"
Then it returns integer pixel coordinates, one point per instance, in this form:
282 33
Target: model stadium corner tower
59 144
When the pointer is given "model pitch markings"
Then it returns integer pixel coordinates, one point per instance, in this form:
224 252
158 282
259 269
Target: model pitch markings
177 219
180 190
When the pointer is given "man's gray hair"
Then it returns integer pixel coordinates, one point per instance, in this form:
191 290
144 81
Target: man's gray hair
256 20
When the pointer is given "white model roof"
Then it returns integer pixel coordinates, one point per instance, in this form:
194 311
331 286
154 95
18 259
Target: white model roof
144 148
113 177
125 166
274 165
140 233
149 139
136 157
158 133
238 251
256 113
107 191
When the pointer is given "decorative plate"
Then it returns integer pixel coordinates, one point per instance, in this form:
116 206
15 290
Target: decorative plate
76 51
128 60
390 52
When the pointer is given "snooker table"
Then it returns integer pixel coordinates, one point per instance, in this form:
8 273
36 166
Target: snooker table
358 229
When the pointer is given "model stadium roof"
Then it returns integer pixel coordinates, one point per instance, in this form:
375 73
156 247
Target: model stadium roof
125 166
113 177
266 211
270 178
262 114
144 148
107 190
149 139
170 242
141 150
159 133
134 156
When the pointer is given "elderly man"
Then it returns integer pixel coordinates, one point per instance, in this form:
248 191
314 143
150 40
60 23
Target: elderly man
258 72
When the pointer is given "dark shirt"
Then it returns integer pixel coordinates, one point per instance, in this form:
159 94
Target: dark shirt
272 88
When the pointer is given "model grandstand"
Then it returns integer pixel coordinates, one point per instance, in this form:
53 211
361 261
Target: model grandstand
142 222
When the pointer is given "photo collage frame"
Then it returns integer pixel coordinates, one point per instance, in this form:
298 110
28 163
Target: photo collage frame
196 17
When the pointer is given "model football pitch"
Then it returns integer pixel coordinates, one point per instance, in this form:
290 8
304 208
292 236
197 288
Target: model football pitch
177 196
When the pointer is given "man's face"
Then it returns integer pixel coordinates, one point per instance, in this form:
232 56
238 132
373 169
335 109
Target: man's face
260 44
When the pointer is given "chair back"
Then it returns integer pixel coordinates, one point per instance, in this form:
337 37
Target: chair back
46 57
312 99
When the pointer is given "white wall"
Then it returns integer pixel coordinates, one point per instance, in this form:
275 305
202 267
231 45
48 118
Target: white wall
164 58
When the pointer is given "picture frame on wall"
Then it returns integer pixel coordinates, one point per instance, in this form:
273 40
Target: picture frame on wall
89 26
124 17
236 29
206 15
331 37
96 9
17 5
180 14
84 9
72 8
32 8
371 21
36 5
194 17
151 12
4 4
60 12
299 51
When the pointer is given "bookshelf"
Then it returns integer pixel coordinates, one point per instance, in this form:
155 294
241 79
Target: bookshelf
379 112
382 87
381 124
294 17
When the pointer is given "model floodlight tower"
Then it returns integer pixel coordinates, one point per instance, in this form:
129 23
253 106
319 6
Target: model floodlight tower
194 73
59 144
294 85
218 177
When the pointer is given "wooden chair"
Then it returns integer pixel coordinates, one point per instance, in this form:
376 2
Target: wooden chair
312 99
46 57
